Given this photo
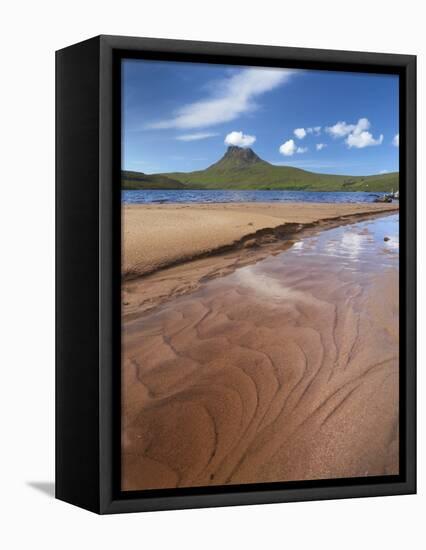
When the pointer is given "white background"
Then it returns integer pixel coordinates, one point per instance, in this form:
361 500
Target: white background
30 33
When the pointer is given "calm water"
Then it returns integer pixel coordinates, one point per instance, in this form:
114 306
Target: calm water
360 247
219 195
350 255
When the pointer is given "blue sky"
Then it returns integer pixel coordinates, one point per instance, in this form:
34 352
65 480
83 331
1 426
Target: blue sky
182 117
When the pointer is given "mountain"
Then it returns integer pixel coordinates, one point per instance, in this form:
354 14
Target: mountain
236 158
139 180
242 168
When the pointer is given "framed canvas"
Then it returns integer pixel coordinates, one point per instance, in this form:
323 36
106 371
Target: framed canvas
236 274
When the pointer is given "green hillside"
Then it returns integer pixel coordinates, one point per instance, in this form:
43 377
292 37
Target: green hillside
243 169
139 180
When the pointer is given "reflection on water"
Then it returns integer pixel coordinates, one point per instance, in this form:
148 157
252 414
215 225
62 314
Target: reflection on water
363 248
368 242
265 285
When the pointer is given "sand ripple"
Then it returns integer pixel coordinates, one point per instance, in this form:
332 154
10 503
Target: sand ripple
270 374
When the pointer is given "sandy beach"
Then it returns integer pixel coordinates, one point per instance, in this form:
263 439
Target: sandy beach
158 236
260 343
175 247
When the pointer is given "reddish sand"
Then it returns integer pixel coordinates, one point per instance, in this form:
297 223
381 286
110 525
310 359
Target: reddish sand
286 369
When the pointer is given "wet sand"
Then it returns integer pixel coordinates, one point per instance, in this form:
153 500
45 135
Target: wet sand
170 249
159 236
285 368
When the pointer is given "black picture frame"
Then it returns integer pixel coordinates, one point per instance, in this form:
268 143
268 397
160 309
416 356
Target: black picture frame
88 241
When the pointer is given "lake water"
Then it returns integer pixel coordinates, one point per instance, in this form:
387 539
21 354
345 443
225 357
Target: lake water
219 195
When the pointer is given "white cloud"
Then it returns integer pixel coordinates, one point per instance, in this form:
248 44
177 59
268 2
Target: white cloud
231 97
357 135
320 146
340 129
239 139
362 139
395 140
300 133
289 148
196 136
316 130
383 171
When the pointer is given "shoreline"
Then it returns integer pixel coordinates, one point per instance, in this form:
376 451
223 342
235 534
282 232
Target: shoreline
185 274
159 237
